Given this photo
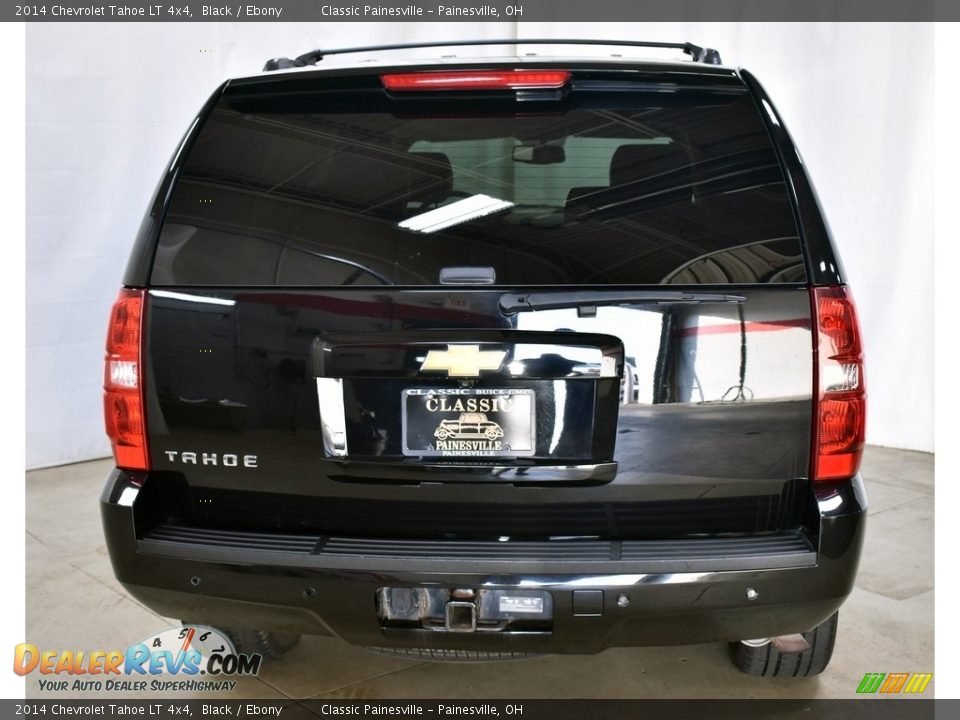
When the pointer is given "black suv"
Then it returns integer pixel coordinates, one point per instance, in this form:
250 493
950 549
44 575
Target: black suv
486 358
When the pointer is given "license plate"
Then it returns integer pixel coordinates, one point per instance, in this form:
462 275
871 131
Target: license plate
522 604
468 422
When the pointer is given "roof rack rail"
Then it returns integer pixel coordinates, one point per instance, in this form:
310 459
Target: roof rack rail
697 53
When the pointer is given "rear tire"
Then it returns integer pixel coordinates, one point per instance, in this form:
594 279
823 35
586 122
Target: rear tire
767 661
273 645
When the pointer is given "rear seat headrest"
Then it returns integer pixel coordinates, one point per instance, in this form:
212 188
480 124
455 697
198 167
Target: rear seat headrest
430 177
575 193
393 179
636 162
578 200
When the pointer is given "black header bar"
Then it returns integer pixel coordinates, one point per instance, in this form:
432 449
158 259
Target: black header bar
482 11
479 709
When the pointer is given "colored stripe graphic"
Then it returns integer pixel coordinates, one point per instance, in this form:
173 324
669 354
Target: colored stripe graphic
894 682
918 682
871 682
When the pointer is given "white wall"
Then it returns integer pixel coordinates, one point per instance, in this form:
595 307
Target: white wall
107 103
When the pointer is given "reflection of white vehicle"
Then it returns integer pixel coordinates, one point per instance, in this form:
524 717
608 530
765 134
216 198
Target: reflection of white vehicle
468 426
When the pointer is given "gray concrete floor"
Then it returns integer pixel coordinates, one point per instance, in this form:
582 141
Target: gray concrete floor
74 602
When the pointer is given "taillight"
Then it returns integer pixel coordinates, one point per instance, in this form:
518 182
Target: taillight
840 409
476 80
122 383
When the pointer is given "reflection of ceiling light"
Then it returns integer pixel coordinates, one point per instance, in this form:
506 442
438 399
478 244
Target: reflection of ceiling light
455 213
516 368
192 298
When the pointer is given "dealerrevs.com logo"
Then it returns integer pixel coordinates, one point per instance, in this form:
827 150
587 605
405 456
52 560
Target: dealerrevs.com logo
188 658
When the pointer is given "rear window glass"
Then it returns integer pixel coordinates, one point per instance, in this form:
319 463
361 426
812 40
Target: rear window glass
674 194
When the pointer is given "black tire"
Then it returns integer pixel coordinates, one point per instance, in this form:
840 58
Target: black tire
273 645
767 661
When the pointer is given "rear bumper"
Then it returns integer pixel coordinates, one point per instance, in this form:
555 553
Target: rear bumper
677 592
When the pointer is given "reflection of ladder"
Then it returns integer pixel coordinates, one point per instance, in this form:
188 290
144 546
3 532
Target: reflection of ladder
696 386
741 391
661 372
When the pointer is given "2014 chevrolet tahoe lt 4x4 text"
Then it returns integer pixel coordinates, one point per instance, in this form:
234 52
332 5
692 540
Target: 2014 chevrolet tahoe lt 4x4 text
484 358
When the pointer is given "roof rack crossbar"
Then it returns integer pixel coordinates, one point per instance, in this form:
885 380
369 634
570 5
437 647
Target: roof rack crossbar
697 53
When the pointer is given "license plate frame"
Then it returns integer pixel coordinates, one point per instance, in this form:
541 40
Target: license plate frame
499 423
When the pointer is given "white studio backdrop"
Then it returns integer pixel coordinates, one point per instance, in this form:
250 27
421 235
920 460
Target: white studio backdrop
107 103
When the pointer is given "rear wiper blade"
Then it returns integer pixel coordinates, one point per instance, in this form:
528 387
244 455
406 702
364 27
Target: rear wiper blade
511 303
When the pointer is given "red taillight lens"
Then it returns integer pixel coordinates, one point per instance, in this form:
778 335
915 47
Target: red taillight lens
122 386
476 80
123 335
840 410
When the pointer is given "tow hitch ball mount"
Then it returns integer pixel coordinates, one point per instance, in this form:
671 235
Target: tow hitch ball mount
460 614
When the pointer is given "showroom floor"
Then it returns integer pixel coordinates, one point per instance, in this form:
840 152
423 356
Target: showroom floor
73 602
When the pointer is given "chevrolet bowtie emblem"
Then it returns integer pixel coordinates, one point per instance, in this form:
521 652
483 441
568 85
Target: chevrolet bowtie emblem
463 360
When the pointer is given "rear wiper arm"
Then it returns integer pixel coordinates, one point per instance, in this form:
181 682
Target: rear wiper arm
511 303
